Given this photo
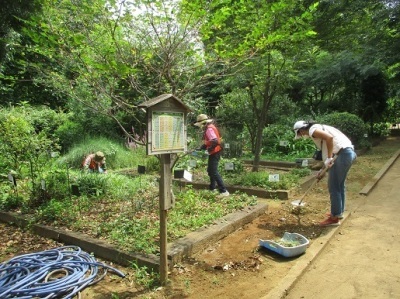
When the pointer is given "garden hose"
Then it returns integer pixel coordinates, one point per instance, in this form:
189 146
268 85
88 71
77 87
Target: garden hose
56 273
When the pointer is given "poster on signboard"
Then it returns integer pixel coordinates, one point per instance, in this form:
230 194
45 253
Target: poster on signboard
168 132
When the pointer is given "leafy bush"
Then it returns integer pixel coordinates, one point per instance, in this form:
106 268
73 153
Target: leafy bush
275 133
9 199
24 148
261 179
92 184
69 133
351 125
237 167
55 210
381 129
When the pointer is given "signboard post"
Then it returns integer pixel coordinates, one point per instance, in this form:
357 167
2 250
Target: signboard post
166 119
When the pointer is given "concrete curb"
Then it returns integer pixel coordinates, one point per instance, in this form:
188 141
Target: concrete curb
199 240
299 268
368 188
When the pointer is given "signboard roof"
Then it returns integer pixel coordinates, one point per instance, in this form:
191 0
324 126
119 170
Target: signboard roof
154 101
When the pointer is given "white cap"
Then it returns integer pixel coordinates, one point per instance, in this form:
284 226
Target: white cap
297 126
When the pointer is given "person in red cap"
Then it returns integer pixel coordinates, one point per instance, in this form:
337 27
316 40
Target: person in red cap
212 144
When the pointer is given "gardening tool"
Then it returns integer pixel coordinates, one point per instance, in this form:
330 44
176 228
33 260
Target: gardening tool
299 202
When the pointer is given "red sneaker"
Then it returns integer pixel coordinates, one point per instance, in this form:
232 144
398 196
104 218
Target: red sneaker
330 215
331 221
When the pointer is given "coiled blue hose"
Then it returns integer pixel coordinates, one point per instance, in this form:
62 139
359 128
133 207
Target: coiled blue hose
56 273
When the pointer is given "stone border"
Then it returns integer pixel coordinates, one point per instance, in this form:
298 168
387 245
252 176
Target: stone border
368 188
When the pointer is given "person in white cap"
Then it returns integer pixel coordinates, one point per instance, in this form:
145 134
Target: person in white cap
331 142
212 144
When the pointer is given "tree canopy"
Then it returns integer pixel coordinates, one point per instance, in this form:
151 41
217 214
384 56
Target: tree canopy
103 57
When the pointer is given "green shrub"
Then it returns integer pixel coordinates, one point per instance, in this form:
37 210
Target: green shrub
69 133
57 183
55 210
237 164
152 164
9 199
351 125
92 184
261 179
381 129
275 133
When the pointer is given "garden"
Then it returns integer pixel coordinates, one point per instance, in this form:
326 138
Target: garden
49 187
121 206
74 74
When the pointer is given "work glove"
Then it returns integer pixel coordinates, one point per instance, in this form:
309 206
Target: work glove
328 162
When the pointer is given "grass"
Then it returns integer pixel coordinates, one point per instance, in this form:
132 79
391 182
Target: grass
125 210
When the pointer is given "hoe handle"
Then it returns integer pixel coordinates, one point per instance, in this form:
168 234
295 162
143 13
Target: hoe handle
321 174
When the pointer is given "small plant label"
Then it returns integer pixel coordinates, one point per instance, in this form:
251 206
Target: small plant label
12 179
283 143
187 175
229 166
304 163
274 177
226 145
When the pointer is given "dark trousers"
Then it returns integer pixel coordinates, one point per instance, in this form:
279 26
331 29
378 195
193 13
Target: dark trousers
212 170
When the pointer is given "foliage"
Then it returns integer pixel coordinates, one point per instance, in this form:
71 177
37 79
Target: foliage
25 149
238 166
351 125
261 37
194 209
381 129
11 15
279 143
85 124
9 198
262 179
55 210
124 60
144 277
374 90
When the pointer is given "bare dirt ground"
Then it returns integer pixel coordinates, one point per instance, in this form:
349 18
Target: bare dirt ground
235 267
